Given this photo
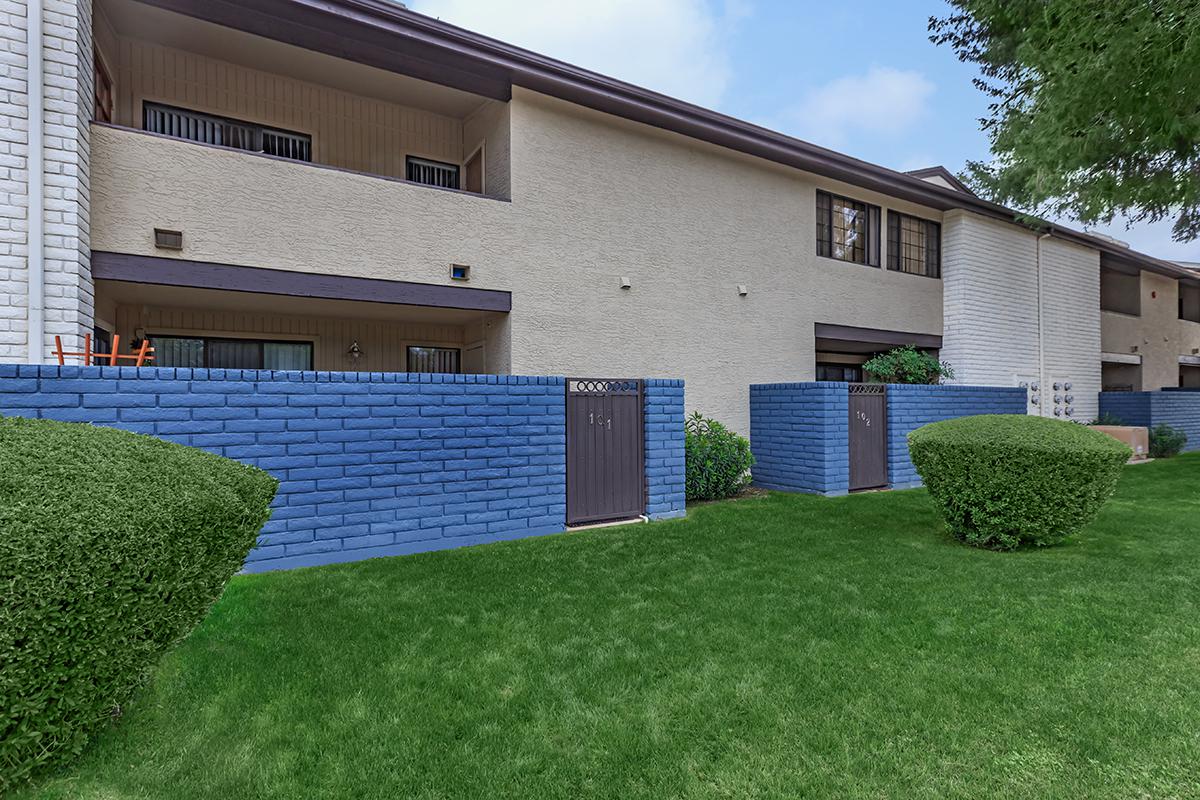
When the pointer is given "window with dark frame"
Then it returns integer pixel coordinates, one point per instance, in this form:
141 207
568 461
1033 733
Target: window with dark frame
914 245
431 173
213 352
850 373
847 229
434 359
195 126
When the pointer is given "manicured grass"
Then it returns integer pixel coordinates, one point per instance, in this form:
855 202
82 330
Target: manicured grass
783 646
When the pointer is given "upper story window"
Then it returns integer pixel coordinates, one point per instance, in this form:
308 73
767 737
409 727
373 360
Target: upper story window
431 173
914 245
1121 292
209 129
847 229
1189 302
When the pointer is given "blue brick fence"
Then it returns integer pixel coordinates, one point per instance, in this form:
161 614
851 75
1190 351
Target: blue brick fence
1178 408
370 464
799 432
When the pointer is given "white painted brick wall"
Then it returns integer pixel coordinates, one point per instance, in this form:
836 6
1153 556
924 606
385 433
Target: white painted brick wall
68 94
990 310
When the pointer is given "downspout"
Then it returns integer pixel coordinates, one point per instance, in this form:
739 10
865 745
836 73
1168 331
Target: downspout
1043 392
35 169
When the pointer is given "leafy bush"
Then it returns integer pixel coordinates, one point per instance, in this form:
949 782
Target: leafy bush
1166 441
1005 480
1110 419
113 547
907 364
718 460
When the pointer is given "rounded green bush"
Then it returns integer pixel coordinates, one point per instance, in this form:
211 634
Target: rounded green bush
113 546
1005 480
717 460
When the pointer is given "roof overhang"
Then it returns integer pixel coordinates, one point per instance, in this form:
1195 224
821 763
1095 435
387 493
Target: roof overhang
848 338
234 278
383 34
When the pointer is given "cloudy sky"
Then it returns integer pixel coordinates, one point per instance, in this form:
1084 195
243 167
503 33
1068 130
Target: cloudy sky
859 77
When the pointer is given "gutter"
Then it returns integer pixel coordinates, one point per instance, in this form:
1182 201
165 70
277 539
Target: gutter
35 168
382 33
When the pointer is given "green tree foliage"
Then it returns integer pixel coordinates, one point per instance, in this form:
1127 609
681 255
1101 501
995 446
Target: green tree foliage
907 364
1096 105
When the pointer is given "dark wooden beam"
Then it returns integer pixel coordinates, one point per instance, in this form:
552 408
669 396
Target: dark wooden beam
233 278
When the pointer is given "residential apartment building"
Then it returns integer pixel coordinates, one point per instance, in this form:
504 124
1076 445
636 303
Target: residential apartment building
347 185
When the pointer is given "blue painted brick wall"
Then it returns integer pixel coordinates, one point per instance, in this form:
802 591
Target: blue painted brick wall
369 464
798 435
664 449
1179 409
910 407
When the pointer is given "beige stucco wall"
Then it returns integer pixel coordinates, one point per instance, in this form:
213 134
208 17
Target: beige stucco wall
594 198
1158 334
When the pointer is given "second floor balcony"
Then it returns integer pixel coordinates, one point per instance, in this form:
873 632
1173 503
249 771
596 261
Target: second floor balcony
174 75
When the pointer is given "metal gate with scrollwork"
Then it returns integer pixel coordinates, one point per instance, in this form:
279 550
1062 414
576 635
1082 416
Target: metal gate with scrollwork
868 436
606 474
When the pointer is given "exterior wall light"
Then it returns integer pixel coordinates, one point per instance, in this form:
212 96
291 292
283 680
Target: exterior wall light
742 290
625 282
355 352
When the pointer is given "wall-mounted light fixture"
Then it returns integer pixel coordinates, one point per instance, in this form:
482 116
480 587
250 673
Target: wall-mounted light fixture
625 282
742 290
355 353
168 240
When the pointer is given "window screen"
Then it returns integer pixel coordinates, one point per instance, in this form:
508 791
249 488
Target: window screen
914 245
847 229
433 359
431 173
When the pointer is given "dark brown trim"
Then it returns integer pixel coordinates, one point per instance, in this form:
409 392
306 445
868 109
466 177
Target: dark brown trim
943 173
849 333
233 278
384 34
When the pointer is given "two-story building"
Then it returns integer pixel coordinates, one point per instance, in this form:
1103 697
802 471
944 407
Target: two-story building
348 185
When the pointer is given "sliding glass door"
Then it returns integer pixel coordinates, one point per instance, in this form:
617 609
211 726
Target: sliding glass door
220 353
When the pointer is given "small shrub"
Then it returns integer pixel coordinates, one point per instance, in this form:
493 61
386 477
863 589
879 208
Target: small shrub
1110 419
113 546
907 364
718 460
1005 480
1166 441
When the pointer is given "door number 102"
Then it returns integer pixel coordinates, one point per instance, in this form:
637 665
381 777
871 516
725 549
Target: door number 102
862 415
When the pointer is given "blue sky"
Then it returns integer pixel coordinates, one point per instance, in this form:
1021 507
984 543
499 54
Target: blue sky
861 77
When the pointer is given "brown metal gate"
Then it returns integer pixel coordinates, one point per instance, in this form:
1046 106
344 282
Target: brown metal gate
606 473
868 436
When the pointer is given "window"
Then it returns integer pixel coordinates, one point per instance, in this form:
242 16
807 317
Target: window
851 373
209 129
433 359
220 353
847 229
104 91
1121 292
431 173
914 245
1189 302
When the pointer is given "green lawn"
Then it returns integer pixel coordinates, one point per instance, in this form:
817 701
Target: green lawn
784 646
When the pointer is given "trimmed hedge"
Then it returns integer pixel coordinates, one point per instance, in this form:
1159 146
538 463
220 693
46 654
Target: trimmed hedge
113 547
717 461
1005 480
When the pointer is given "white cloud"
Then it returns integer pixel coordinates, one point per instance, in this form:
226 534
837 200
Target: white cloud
677 47
882 101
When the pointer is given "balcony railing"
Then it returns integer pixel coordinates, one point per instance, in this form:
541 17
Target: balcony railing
208 129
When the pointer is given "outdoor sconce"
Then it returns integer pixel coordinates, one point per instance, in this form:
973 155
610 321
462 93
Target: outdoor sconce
355 352
742 290
625 282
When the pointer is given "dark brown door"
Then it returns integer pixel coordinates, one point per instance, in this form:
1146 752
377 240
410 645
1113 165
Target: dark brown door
868 436
605 457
